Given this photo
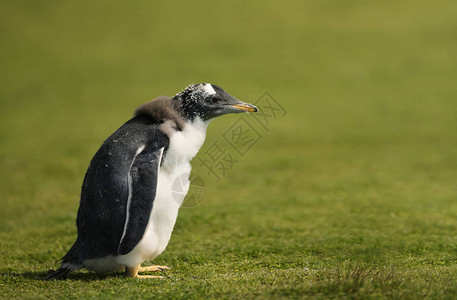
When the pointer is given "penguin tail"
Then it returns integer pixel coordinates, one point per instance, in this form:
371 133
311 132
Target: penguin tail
63 271
69 263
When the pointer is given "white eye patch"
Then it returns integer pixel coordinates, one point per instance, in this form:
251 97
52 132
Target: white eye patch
208 88
198 90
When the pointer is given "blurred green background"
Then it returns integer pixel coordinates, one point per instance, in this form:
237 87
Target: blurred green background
361 174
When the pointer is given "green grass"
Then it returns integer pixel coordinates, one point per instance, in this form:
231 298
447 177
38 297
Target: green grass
351 195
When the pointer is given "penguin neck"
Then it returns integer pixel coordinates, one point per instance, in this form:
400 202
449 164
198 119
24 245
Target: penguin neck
184 144
198 124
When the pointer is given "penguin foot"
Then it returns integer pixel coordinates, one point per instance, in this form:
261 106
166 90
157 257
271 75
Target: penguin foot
133 272
153 268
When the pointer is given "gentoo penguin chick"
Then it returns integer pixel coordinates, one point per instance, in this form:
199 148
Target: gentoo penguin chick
127 212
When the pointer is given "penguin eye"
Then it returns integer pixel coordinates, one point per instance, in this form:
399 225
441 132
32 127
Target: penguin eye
215 100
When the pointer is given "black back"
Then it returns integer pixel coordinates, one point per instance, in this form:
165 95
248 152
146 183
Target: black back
105 190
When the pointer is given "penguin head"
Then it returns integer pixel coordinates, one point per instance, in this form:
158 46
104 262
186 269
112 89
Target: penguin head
208 101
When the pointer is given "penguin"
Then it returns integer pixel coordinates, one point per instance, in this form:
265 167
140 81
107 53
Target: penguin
127 212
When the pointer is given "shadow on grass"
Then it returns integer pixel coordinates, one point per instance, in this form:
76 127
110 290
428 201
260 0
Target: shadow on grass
77 276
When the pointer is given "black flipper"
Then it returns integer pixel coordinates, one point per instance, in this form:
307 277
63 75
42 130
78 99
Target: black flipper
142 182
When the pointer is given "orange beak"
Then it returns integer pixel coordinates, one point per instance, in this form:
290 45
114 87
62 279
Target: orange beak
246 107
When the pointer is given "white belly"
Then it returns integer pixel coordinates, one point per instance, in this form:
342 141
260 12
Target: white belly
162 218
175 168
